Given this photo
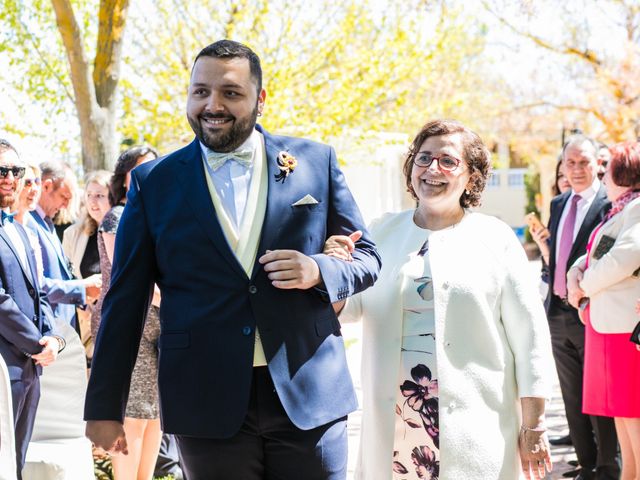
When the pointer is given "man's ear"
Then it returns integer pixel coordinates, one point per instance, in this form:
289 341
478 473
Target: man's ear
47 185
261 98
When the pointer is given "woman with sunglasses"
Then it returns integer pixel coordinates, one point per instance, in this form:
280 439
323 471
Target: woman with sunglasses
26 202
80 243
456 353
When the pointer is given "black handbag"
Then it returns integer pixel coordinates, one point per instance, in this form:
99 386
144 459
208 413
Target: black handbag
635 335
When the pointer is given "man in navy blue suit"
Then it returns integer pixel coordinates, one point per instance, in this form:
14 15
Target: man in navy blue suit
253 377
26 342
64 292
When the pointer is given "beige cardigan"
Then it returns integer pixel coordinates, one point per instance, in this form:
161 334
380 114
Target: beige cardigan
609 281
492 346
74 243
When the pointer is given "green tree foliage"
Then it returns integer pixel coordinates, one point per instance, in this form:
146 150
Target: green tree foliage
331 69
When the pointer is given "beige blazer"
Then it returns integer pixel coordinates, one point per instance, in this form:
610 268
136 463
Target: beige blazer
74 243
609 282
492 346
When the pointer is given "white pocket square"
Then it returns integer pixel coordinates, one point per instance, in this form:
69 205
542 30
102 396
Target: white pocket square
306 200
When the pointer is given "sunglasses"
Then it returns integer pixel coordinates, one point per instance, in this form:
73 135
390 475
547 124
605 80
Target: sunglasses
28 182
18 172
445 162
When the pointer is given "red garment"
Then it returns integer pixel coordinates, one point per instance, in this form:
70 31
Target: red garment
611 370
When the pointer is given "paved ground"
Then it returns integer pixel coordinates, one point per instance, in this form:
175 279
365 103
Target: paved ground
556 421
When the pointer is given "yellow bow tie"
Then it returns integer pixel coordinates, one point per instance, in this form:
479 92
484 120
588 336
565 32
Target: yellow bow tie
217 159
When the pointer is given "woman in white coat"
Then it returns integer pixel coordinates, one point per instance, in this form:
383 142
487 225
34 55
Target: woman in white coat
456 352
605 283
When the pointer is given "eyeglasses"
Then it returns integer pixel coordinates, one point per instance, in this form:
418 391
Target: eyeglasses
445 162
18 172
28 182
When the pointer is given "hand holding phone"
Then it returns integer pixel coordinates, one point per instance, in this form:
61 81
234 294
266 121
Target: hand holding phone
533 222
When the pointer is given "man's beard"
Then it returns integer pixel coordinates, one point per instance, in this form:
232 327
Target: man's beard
224 142
7 200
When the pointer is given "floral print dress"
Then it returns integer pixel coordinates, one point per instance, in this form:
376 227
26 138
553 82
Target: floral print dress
416 452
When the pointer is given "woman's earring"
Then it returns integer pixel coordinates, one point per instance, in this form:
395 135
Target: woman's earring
466 190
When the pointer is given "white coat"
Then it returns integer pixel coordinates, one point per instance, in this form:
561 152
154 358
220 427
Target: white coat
609 282
492 346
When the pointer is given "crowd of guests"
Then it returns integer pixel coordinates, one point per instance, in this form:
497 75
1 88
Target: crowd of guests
482 292
457 344
71 234
591 262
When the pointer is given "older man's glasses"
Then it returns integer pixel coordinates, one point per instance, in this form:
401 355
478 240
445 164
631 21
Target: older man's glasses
18 172
445 162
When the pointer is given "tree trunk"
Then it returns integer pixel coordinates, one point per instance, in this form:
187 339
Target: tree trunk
95 95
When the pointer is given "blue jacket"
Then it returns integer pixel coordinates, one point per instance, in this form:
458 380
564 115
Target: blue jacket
63 292
24 314
169 234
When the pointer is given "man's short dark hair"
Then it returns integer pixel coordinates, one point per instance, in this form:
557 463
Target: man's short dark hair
230 49
6 145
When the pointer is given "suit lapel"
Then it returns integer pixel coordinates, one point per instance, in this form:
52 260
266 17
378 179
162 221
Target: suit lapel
29 274
591 219
55 243
192 178
31 259
553 227
276 203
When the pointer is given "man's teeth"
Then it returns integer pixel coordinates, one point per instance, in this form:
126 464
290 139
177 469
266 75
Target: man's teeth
216 121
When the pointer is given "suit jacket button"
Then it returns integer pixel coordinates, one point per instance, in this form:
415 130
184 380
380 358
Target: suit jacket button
32 292
253 289
246 330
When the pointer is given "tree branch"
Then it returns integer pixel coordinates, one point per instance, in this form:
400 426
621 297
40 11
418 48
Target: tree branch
106 71
49 68
79 68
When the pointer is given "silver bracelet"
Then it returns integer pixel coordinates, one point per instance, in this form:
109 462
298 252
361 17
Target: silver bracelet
539 429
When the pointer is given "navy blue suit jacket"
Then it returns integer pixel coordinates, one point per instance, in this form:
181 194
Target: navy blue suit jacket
598 209
63 292
24 315
169 234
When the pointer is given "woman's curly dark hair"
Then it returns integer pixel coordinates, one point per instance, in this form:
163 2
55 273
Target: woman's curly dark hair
475 153
125 163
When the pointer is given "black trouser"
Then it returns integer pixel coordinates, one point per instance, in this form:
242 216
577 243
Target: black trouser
268 446
594 437
25 395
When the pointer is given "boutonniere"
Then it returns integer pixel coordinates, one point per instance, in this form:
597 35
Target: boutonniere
287 163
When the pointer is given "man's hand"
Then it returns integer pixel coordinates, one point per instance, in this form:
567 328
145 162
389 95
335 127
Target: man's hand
342 246
49 352
289 269
108 435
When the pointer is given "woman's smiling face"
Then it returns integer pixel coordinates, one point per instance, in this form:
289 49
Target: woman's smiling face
434 186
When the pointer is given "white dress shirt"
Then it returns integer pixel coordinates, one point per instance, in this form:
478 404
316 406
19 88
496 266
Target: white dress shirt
17 242
588 196
232 181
